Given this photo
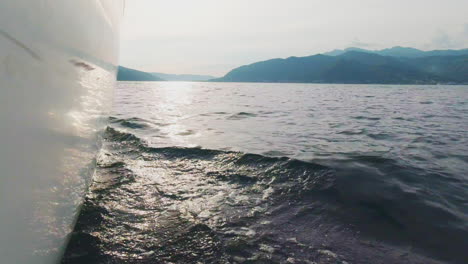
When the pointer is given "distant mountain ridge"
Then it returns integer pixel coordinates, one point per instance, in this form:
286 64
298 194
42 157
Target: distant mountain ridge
127 74
399 51
397 65
183 77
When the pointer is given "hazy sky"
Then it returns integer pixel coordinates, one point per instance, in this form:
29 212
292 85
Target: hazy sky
215 36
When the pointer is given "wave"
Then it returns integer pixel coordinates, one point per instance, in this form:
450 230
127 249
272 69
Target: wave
241 115
188 205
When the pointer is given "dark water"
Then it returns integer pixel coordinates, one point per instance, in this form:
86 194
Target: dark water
280 173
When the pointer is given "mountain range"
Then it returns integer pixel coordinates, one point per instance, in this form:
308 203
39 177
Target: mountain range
127 74
183 77
399 51
396 65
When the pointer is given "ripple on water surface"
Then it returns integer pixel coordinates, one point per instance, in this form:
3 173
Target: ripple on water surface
182 205
347 174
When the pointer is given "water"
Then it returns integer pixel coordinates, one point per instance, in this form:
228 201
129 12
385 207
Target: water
279 173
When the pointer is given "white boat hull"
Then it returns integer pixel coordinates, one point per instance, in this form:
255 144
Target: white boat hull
57 72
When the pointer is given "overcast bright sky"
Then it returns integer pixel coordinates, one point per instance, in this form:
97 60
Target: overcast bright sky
215 36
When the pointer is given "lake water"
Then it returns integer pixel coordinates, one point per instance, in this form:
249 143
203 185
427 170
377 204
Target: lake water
280 173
